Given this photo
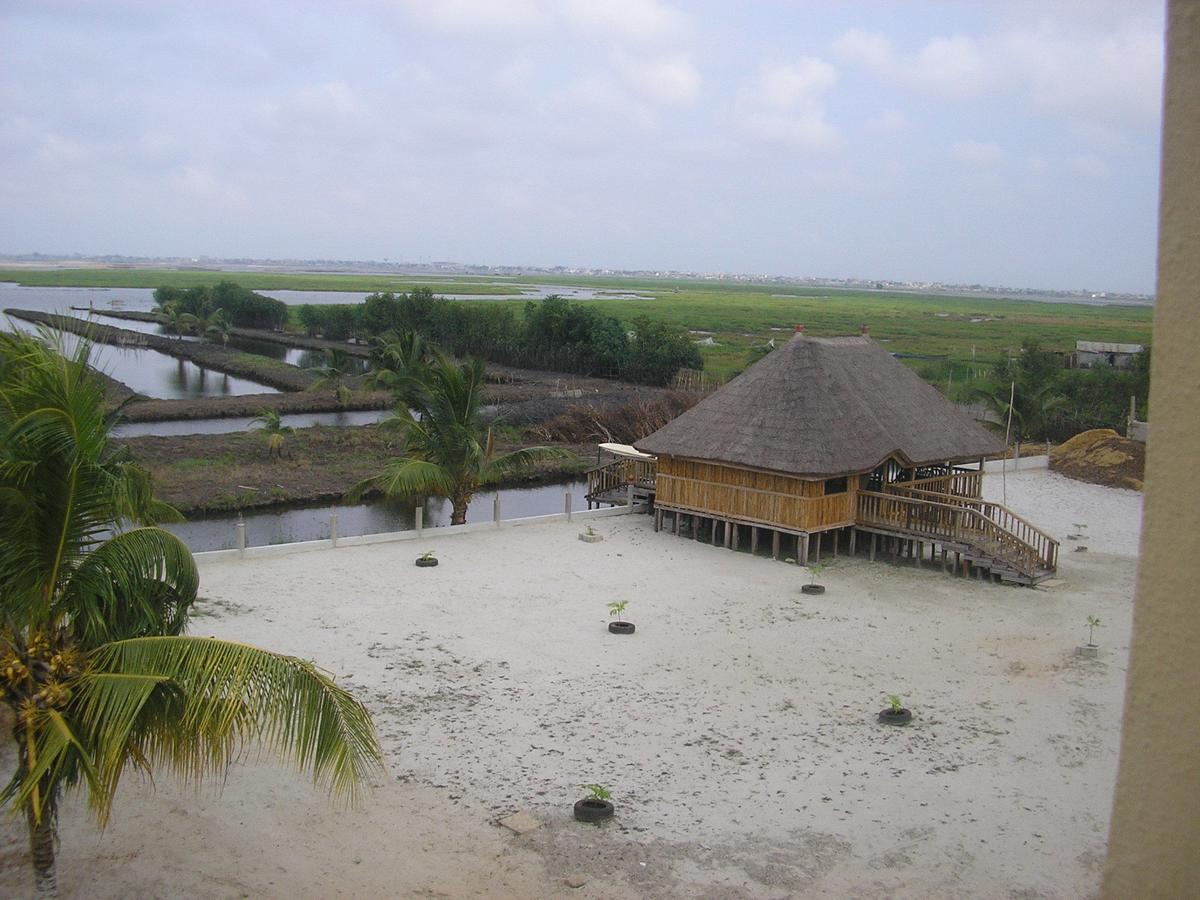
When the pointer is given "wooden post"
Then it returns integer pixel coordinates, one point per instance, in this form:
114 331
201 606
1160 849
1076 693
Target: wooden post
853 539
920 552
837 537
695 527
874 541
943 559
957 562
731 543
775 545
753 539
818 546
675 523
714 534
802 549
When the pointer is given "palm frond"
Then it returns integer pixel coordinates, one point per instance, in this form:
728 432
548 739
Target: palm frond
193 705
406 477
517 460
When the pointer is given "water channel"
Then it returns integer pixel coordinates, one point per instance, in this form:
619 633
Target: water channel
311 523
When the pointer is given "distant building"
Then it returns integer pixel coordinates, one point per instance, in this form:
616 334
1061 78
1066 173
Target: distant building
1090 354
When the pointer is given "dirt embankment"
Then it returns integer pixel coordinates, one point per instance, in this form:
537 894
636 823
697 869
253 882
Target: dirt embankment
1101 456
218 472
270 372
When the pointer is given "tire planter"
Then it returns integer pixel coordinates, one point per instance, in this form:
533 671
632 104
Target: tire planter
622 627
426 563
812 589
891 716
590 810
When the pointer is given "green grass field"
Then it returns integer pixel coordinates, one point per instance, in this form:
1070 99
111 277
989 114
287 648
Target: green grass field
738 315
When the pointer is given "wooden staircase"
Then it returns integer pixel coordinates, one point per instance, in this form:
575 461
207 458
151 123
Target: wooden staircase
611 482
988 535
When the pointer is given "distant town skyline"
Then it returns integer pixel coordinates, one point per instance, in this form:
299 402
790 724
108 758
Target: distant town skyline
1011 144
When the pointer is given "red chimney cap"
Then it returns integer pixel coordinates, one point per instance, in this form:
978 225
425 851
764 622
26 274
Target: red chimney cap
799 329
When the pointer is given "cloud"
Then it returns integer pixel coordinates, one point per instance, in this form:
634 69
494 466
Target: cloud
981 154
783 104
475 15
670 79
953 67
635 20
889 121
1114 74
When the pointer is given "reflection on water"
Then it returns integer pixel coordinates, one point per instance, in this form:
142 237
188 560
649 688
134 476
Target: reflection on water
312 523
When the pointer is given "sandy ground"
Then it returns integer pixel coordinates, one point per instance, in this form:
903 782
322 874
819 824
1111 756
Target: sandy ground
736 729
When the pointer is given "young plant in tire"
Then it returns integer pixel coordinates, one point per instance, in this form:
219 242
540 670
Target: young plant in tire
1093 622
596 806
616 609
895 714
597 792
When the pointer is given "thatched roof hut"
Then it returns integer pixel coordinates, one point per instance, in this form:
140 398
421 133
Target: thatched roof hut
831 436
790 443
819 407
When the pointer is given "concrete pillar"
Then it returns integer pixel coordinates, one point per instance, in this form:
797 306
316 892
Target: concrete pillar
419 519
496 509
567 504
1156 811
239 536
333 529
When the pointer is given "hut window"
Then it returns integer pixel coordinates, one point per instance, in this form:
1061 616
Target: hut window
835 485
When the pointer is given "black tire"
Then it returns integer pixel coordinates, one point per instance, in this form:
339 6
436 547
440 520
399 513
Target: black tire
812 589
622 627
592 810
426 563
895 717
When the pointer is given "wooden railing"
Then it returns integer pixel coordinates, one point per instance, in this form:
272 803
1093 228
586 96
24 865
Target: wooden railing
1043 544
757 506
957 482
619 473
958 522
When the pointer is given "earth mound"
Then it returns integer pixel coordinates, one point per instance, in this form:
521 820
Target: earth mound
1101 456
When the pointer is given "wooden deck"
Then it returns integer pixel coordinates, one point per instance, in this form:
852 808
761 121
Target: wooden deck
941 513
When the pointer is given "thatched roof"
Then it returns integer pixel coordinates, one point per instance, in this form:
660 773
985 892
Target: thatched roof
821 407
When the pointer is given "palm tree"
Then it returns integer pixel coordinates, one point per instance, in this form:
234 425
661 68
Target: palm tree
333 375
272 426
217 326
448 452
94 601
399 362
176 322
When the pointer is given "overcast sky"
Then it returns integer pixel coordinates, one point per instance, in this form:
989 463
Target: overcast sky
1012 142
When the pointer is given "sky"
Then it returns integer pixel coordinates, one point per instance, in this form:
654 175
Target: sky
1013 142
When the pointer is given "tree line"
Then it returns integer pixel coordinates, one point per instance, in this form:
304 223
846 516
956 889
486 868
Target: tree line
551 334
1050 402
241 306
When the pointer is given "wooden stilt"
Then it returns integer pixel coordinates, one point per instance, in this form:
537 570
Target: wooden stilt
775 545
957 561
874 541
731 542
694 523
943 559
714 533
753 539
802 546
675 524
853 540
817 547
837 539
658 520
920 552
895 551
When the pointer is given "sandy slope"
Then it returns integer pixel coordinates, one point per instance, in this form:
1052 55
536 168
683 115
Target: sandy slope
735 729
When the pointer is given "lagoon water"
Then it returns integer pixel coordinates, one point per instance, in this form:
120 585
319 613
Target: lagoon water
312 523
242 423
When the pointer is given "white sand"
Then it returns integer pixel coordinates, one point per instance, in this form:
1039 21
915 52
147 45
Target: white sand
736 729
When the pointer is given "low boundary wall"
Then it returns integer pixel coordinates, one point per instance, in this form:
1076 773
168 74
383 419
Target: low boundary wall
364 540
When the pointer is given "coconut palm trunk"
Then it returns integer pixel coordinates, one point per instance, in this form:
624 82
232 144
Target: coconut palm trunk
43 836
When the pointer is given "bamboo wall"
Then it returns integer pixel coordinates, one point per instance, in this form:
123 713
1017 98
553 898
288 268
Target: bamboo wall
748 495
